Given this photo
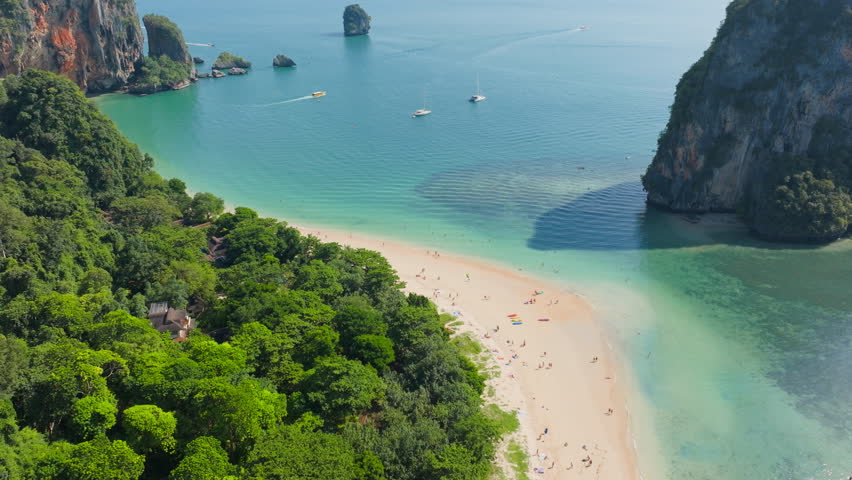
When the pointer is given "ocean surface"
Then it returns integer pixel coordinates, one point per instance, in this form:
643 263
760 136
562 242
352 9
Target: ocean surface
739 351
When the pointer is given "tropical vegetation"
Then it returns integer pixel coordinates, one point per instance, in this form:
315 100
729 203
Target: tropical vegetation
159 73
308 360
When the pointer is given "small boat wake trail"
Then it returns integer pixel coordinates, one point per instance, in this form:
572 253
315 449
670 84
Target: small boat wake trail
526 37
306 97
200 44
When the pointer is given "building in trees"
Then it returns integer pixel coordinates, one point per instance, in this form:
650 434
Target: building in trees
166 319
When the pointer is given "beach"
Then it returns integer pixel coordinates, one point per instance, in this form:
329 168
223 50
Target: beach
556 368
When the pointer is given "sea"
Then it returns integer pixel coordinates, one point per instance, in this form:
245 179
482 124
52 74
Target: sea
738 352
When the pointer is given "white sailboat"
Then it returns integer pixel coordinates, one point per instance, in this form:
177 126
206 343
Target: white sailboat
423 111
478 96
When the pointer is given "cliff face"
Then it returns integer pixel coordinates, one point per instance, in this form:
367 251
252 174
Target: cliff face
770 98
95 43
165 38
355 21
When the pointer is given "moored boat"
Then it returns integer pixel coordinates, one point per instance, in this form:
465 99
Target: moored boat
478 96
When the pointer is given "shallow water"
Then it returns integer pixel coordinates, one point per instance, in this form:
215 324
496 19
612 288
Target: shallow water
740 349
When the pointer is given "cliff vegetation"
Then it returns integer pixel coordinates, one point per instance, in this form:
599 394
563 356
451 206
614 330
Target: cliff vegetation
160 73
227 60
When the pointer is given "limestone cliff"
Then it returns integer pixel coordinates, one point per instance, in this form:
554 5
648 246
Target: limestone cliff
95 43
355 21
165 38
770 98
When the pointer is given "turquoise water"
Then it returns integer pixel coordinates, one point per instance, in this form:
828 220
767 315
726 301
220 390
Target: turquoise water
740 350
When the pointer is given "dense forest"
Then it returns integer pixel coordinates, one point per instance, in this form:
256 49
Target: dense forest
308 360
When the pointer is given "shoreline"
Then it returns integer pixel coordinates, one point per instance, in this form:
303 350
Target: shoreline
571 398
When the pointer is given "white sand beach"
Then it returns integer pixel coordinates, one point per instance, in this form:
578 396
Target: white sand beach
560 375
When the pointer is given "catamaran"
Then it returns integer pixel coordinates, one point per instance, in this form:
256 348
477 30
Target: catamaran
477 97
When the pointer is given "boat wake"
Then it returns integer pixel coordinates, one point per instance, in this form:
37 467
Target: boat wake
532 36
306 97
200 44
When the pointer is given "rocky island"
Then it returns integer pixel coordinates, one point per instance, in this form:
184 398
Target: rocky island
95 44
283 61
168 66
227 60
355 21
762 123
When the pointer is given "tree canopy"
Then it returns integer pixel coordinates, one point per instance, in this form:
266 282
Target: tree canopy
308 361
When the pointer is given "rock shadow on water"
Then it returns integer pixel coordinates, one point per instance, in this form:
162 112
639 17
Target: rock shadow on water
612 218
617 218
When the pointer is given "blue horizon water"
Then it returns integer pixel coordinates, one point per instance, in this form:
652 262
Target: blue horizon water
739 349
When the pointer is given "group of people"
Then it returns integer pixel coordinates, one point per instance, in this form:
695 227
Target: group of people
586 461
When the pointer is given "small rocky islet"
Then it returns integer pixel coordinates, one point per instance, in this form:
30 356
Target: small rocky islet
281 60
355 21
227 60
168 66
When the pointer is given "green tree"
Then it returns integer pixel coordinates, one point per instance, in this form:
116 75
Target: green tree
237 415
204 208
148 428
374 350
455 462
217 359
101 459
204 459
93 415
337 388
14 356
143 212
318 343
352 321
806 208
320 278
95 280
227 221
199 278
269 355
289 453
